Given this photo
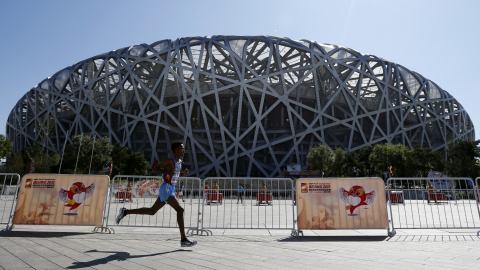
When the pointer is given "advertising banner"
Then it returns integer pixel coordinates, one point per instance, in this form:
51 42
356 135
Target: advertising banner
61 199
341 203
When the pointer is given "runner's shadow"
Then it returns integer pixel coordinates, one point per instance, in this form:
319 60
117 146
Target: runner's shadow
115 256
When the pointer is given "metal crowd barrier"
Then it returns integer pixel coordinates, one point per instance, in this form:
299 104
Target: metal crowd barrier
433 203
133 192
270 208
477 192
9 184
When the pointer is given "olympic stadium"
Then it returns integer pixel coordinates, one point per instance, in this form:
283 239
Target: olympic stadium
243 105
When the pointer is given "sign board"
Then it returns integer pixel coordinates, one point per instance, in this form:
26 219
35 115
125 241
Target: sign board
439 180
341 203
61 199
294 167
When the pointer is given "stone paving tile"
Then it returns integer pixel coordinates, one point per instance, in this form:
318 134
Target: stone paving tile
63 261
246 249
12 262
39 262
202 262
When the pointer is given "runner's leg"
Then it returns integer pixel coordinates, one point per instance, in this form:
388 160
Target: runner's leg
174 203
147 210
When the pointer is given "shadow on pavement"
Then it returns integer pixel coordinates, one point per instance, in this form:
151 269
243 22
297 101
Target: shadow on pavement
434 238
396 238
335 239
115 256
39 234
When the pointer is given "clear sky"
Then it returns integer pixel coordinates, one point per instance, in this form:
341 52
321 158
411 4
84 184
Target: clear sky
436 38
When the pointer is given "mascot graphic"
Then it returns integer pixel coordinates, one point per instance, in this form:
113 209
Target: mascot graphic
356 197
76 195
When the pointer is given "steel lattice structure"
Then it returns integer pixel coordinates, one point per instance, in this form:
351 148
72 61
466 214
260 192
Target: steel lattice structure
243 105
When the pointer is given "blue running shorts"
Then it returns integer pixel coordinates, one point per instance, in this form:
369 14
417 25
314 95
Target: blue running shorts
166 190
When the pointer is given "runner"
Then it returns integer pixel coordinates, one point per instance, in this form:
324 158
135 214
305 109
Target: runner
172 170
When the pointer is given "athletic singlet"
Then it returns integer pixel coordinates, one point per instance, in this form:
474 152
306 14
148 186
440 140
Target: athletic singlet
172 180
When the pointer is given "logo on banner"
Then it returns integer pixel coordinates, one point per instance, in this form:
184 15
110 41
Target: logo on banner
315 188
39 183
76 195
28 183
356 197
304 187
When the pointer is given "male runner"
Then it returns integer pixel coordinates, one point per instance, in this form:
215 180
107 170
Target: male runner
172 170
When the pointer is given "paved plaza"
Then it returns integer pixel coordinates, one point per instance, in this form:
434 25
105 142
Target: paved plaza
134 246
57 247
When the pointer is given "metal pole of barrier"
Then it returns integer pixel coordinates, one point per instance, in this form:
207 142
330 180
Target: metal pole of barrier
103 228
110 191
200 188
476 191
293 195
201 194
389 182
14 200
6 188
387 202
198 214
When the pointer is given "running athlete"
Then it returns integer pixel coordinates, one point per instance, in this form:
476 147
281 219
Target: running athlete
171 169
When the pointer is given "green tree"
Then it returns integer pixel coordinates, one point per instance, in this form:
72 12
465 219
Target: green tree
352 164
127 162
385 155
37 160
16 164
5 147
321 158
339 166
82 147
363 161
462 159
425 160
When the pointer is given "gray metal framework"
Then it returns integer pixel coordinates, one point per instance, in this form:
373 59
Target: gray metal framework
244 105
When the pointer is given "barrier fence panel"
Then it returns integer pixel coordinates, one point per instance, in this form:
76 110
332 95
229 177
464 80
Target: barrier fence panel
341 203
61 199
264 203
477 196
432 203
134 192
9 183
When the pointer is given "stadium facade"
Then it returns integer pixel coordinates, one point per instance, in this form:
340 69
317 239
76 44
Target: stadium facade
243 105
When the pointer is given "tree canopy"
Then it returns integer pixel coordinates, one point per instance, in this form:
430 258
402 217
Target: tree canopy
127 162
5 147
463 159
321 158
86 154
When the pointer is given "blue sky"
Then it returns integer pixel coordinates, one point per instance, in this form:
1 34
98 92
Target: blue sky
436 38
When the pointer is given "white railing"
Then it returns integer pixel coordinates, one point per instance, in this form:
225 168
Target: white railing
477 196
270 208
9 184
134 192
433 203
